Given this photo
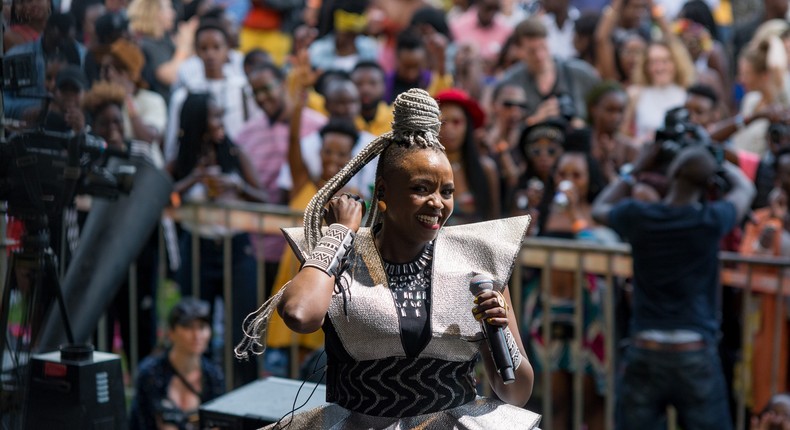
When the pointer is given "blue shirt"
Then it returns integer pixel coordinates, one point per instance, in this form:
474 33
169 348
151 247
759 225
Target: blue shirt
675 253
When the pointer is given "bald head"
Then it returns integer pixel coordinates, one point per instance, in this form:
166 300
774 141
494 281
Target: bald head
342 99
694 166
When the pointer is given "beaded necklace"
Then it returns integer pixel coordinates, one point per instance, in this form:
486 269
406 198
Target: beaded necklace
410 282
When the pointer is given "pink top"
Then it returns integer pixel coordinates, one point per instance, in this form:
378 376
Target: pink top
488 41
266 145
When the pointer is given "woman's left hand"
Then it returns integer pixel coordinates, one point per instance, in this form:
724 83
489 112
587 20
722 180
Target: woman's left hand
492 307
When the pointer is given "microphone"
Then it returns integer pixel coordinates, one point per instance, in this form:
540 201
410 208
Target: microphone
495 335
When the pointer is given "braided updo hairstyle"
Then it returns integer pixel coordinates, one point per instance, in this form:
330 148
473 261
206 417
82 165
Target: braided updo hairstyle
415 126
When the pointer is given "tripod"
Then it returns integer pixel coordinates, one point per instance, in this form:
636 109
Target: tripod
31 286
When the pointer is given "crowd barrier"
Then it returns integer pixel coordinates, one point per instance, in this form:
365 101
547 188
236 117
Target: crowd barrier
581 258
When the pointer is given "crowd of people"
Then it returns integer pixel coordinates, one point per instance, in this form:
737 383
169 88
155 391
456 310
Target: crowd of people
548 109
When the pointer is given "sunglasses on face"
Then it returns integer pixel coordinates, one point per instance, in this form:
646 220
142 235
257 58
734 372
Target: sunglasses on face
513 103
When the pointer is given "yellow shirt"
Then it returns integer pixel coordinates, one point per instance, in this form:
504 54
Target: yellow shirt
381 123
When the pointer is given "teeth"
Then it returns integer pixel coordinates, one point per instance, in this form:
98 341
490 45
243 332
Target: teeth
428 219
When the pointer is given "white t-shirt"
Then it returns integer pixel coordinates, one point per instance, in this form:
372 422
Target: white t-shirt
232 94
192 72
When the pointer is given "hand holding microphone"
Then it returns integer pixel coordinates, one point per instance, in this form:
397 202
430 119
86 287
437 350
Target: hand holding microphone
491 310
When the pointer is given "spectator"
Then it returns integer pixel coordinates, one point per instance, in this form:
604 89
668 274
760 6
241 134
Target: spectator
191 72
702 105
338 138
560 19
342 101
764 102
431 24
745 32
578 179
501 139
673 359
264 138
765 178
375 114
144 111
508 57
412 65
584 37
707 51
767 234
151 22
388 18
659 84
27 23
209 166
57 40
541 147
263 27
618 50
107 29
231 91
710 63
610 148
171 387
483 28
475 178
554 86
65 110
346 45
255 59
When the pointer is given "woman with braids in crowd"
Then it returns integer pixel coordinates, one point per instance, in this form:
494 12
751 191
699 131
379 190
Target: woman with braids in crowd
210 167
402 329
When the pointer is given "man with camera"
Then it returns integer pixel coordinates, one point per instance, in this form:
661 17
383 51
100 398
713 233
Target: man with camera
555 87
674 329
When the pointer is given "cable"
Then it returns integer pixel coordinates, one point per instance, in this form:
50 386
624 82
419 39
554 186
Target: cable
294 408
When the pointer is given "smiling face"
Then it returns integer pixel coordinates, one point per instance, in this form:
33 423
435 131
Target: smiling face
419 196
268 91
660 67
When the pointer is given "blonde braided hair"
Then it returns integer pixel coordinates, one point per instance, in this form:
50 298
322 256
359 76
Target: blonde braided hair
416 124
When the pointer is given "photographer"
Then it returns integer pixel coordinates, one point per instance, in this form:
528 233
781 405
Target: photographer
554 87
672 359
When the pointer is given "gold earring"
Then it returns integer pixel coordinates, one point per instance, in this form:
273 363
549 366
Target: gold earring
382 206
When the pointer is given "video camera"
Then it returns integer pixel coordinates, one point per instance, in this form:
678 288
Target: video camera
44 170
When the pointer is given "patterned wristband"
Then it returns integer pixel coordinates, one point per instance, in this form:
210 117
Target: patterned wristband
331 249
512 347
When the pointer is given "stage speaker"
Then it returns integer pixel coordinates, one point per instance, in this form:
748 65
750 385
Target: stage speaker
79 390
260 403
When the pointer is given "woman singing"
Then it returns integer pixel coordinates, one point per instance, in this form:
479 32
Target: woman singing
402 330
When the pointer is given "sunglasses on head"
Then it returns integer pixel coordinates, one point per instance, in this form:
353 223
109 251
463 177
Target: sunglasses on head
512 103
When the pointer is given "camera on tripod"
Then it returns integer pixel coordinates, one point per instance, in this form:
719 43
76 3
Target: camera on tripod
56 166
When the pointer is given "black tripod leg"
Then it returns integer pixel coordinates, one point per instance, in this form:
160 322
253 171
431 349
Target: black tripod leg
51 276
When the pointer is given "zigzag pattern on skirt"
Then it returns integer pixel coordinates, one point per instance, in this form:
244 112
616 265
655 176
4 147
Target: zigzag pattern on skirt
400 386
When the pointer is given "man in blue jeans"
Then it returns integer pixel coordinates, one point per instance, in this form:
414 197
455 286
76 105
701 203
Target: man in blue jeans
674 328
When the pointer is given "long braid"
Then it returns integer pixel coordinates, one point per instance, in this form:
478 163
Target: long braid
416 123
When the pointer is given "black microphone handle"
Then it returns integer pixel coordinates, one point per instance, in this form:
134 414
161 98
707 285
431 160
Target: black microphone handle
498 346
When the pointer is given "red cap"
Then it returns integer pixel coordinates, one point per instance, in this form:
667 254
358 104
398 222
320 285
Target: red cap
470 105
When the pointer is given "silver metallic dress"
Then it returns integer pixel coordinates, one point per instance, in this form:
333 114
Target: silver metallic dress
372 382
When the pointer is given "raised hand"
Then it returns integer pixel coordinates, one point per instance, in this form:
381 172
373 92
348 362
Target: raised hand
347 209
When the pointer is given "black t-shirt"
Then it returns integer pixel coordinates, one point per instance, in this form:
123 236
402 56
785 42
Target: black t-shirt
675 262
